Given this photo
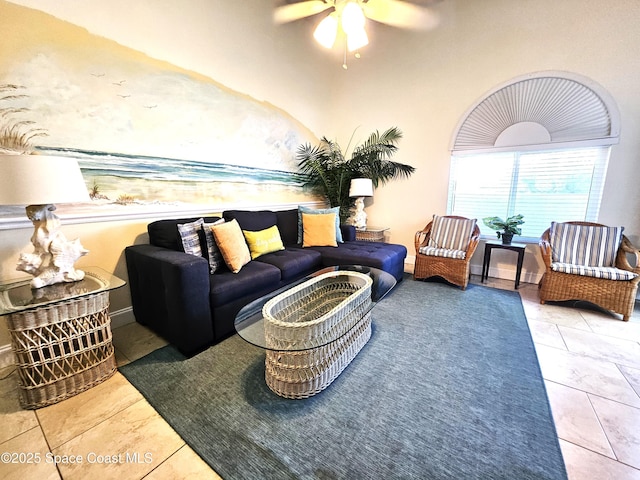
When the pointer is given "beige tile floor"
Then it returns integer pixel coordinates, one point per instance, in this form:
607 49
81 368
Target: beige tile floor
590 361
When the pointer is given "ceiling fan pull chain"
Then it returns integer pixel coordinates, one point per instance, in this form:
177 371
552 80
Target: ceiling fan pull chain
344 63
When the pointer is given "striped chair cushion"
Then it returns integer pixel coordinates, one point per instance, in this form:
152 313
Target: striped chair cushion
442 252
608 273
451 233
584 245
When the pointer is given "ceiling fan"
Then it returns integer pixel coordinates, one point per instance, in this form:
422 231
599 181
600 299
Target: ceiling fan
349 17
397 13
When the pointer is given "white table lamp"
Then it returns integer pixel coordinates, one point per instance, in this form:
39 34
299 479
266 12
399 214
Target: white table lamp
39 181
360 188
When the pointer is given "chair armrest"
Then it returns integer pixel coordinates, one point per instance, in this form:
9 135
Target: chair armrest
545 249
170 294
473 244
422 237
621 259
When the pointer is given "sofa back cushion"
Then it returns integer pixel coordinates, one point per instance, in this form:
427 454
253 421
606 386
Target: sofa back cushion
251 220
287 221
586 245
164 233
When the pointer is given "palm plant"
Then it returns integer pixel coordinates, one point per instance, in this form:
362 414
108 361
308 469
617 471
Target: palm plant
328 172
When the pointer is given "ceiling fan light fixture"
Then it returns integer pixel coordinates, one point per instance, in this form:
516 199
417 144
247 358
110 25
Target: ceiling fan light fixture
327 30
353 18
357 39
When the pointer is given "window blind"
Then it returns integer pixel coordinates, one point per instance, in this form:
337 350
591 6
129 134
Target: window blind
543 186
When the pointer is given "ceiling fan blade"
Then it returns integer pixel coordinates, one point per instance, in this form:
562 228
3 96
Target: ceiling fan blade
296 11
401 14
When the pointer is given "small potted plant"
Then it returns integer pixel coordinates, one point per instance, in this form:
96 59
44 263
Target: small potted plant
505 229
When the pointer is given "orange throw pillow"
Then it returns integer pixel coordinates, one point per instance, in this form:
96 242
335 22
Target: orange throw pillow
232 245
319 230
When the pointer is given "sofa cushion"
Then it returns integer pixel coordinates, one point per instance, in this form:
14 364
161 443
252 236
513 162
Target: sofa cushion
443 252
451 233
287 221
294 262
254 276
164 233
607 273
232 245
252 220
263 241
385 256
587 245
319 230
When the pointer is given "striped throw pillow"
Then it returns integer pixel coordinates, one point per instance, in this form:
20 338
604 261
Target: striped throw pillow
190 237
585 245
451 233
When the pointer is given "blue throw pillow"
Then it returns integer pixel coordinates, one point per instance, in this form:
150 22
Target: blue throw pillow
319 211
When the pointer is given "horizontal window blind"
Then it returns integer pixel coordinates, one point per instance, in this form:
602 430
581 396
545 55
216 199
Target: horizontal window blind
543 186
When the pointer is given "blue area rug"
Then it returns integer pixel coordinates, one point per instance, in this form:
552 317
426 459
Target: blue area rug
448 387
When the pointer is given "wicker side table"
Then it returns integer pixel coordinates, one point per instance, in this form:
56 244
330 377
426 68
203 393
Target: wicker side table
371 234
61 336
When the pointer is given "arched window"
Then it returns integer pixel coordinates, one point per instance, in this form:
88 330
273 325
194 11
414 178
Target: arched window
539 146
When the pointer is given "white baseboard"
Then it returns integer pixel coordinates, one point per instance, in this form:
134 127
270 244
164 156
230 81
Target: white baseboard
118 319
6 356
122 317
494 272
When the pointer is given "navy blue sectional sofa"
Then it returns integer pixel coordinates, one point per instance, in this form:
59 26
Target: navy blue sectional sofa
174 294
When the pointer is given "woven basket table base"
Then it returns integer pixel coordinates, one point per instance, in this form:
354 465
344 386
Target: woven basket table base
305 373
62 349
313 331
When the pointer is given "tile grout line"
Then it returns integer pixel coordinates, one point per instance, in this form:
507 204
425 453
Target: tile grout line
103 420
46 440
626 379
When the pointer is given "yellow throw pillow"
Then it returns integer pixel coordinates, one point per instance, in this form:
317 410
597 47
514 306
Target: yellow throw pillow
319 230
264 241
230 241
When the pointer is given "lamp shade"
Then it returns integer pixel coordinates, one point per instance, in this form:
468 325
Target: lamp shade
40 180
361 187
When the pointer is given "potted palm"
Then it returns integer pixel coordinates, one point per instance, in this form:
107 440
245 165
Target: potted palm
329 172
505 229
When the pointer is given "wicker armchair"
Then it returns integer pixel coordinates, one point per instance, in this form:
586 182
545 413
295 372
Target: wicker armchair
453 270
616 295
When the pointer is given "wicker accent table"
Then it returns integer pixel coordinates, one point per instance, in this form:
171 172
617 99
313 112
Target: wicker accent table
371 234
313 329
60 335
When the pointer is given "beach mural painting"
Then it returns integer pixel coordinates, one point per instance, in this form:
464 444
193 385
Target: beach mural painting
147 135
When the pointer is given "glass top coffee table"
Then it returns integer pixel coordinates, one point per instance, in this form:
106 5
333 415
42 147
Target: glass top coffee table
312 329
